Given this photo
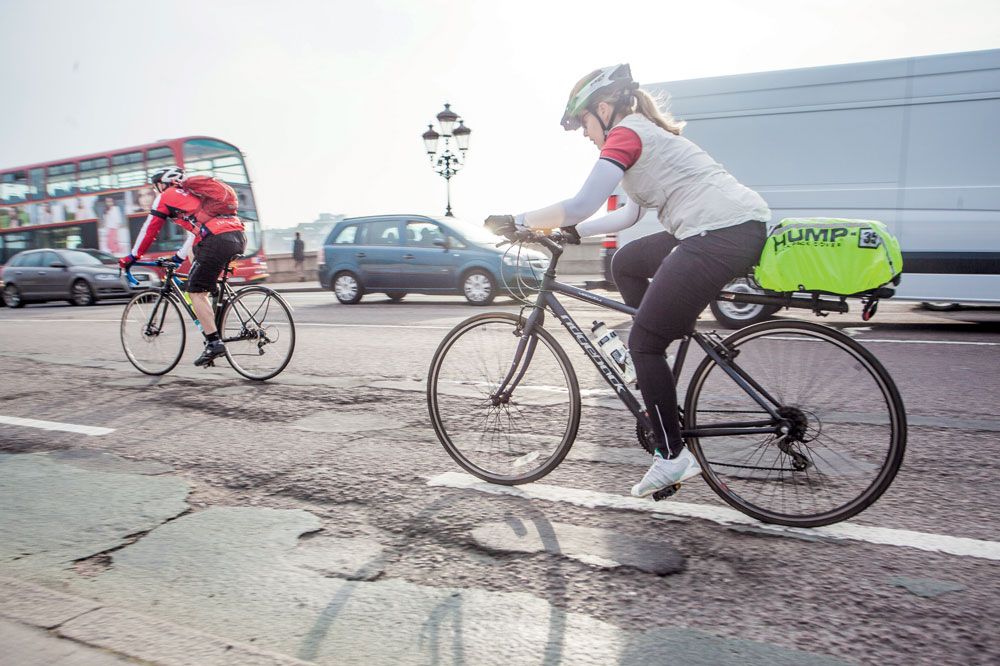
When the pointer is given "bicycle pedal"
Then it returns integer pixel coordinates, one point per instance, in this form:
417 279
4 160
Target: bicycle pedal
666 492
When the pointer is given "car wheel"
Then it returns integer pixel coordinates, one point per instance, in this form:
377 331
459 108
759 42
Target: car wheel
81 293
12 297
478 287
396 296
737 315
347 288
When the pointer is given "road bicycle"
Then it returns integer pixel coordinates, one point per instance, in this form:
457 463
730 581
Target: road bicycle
792 422
254 322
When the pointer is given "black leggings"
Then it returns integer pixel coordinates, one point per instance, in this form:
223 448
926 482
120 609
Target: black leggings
686 277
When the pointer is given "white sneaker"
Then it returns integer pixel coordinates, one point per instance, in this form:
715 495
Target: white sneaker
664 473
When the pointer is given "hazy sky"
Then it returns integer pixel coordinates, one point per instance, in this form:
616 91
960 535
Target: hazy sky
328 99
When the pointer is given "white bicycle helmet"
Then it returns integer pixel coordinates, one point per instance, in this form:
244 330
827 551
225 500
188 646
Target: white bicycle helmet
167 176
604 82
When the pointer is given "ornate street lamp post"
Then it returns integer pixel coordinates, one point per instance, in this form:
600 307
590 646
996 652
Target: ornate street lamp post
446 163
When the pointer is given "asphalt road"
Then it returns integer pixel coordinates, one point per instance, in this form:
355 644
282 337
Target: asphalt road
317 516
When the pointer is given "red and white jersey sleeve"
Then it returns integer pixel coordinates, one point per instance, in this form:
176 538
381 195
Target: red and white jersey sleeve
622 147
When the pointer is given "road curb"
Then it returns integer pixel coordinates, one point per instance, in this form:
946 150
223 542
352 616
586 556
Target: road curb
123 632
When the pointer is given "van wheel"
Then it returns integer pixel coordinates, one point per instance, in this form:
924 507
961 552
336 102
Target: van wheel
12 297
396 296
478 287
347 288
737 315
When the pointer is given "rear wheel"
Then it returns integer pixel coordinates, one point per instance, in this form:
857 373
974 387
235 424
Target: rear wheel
152 333
12 296
259 333
846 425
347 288
737 315
505 438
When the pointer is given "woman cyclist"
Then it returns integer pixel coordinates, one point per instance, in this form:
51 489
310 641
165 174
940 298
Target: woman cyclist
715 231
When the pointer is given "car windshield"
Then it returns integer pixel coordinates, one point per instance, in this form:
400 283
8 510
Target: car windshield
74 258
103 257
474 233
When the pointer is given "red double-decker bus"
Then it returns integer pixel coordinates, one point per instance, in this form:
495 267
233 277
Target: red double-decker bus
101 201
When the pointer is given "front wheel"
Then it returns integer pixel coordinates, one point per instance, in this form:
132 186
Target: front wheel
152 333
479 287
81 294
845 419
259 333
506 437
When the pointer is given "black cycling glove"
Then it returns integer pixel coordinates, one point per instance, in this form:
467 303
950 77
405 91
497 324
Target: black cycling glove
501 225
571 235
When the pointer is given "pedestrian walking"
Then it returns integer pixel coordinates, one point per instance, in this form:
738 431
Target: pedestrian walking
299 255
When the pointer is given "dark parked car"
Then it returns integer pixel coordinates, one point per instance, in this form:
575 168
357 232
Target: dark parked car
71 275
401 254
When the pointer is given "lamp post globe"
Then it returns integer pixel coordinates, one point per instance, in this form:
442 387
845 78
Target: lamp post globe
444 162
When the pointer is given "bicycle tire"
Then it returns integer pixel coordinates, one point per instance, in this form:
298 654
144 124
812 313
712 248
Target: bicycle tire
133 352
447 424
252 338
731 480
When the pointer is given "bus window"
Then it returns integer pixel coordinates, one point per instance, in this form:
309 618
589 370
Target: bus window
214 158
36 190
94 175
62 180
158 158
12 244
14 187
127 170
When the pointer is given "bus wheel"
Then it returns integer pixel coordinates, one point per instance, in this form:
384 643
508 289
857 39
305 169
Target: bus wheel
81 293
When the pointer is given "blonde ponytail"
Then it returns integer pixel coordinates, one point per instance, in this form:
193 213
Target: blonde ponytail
647 106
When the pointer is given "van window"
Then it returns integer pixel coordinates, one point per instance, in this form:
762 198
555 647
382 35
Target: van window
422 234
347 235
381 232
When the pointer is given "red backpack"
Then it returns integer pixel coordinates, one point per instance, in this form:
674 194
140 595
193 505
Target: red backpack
217 198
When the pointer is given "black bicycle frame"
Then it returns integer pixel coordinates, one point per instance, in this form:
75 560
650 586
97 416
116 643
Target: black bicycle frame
714 348
172 285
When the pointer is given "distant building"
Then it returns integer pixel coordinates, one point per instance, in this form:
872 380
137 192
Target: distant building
279 241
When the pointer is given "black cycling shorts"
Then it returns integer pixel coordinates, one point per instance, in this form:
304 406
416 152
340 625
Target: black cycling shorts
210 258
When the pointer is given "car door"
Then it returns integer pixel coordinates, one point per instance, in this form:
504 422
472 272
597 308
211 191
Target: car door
427 264
25 274
53 282
378 254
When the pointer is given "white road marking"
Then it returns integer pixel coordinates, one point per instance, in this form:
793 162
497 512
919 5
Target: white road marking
941 543
54 425
448 328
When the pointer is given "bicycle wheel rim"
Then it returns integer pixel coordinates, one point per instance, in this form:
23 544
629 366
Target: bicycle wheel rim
514 442
850 425
152 333
259 333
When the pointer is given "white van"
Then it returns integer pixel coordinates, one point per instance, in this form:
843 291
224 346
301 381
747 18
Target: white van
913 142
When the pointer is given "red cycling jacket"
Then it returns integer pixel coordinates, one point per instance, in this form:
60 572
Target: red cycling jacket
184 209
